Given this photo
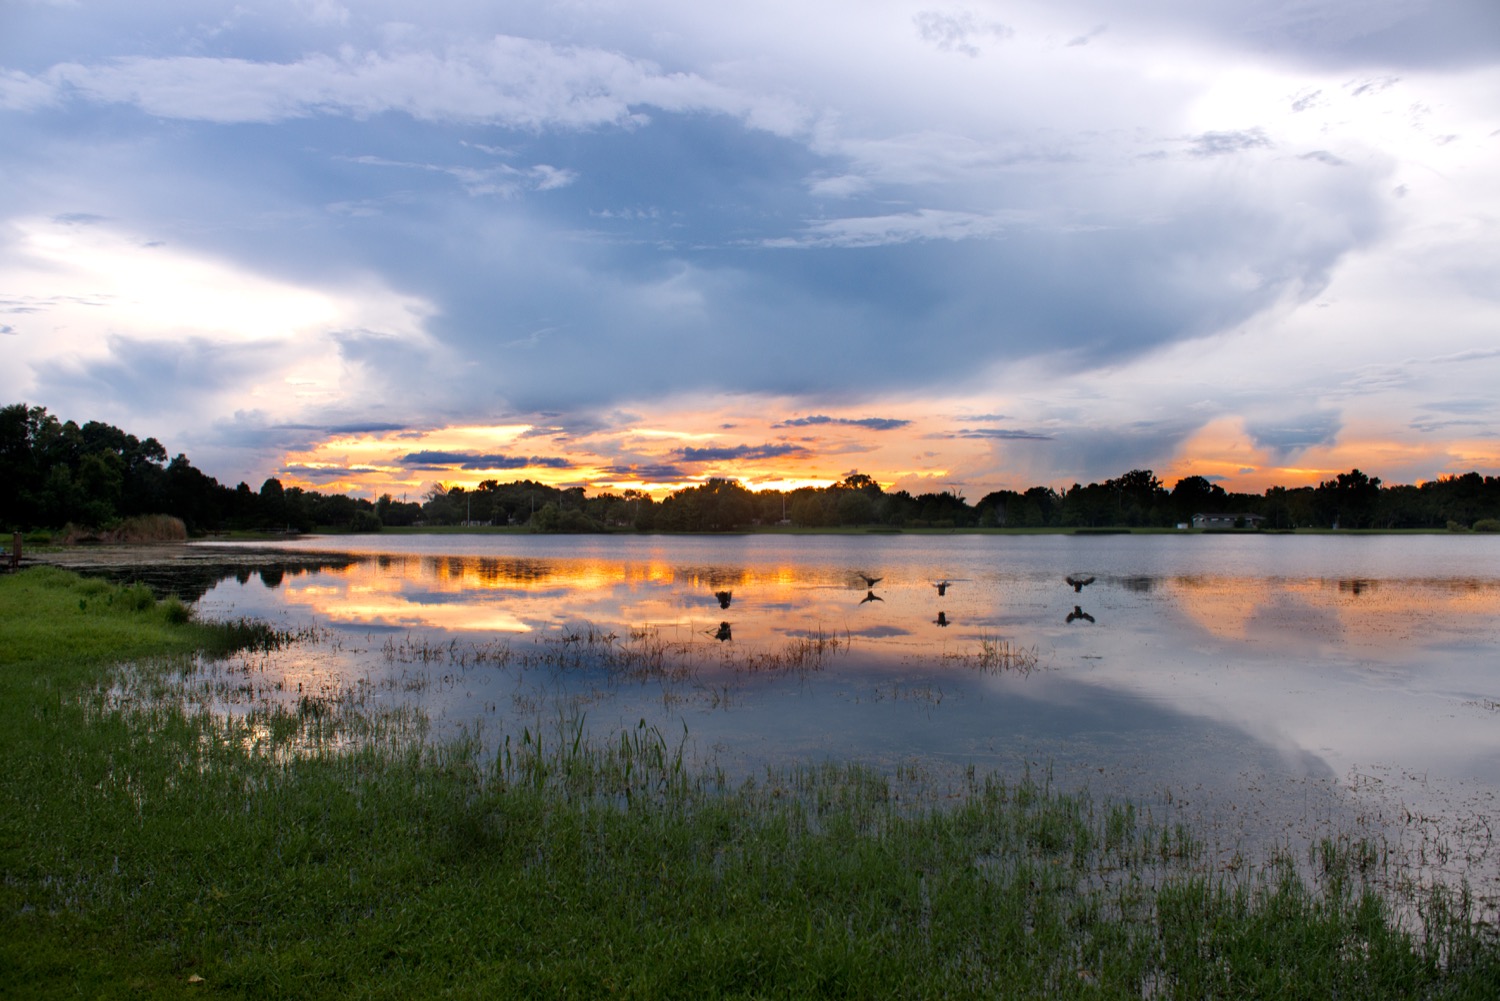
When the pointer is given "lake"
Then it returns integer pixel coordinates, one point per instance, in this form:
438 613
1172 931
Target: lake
1271 687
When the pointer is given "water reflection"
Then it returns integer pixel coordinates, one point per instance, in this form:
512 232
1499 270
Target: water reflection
1194 620
1215 667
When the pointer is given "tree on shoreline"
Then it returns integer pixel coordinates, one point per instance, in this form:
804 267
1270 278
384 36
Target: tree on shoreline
53 473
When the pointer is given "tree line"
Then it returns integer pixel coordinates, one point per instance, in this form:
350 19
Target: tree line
55 472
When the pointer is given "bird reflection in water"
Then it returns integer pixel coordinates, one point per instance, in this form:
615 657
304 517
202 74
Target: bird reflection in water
942 619
1079 583
725 597
1078 613
723 632
870 596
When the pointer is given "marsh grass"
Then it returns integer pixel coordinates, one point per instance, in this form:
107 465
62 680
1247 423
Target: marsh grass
321 848
140 528
997 655
643 654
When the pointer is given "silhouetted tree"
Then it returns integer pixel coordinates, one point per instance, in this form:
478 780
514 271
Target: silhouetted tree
1196 495
1348 500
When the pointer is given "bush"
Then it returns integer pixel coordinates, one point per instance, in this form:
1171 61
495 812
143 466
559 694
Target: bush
1487 525
175 612
137 598
149 528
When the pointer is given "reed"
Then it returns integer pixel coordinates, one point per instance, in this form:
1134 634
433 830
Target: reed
997 655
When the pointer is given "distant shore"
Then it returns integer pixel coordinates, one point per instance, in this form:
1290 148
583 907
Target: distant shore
37 546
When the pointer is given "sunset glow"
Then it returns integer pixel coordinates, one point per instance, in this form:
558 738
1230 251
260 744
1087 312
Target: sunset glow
642 248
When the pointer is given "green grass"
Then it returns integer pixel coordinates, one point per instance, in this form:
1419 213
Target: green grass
145 843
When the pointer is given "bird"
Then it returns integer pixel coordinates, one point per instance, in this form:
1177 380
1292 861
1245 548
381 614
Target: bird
724 598
1079 583
942 619
869 581
723 632
942 587
870 596
1078 613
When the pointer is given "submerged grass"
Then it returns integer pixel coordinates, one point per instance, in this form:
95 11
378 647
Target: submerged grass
153 849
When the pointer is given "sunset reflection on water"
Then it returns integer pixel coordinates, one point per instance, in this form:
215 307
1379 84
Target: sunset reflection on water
1208 666
768 603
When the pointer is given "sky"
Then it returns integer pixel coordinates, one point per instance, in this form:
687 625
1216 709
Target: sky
371 247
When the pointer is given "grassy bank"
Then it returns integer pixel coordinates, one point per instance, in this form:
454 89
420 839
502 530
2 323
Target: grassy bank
150 850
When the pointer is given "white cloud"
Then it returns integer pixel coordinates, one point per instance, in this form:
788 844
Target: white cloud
130 327
501 179
875 231
958 31
515 82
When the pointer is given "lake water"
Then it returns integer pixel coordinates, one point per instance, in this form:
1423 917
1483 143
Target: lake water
1267 685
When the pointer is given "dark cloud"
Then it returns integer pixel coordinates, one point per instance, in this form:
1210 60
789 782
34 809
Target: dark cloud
372 427
648 473
1431 425
1228 143
323 472
1006 434
1085 454
1474 406
870 423
691 454
478 461
1286 438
